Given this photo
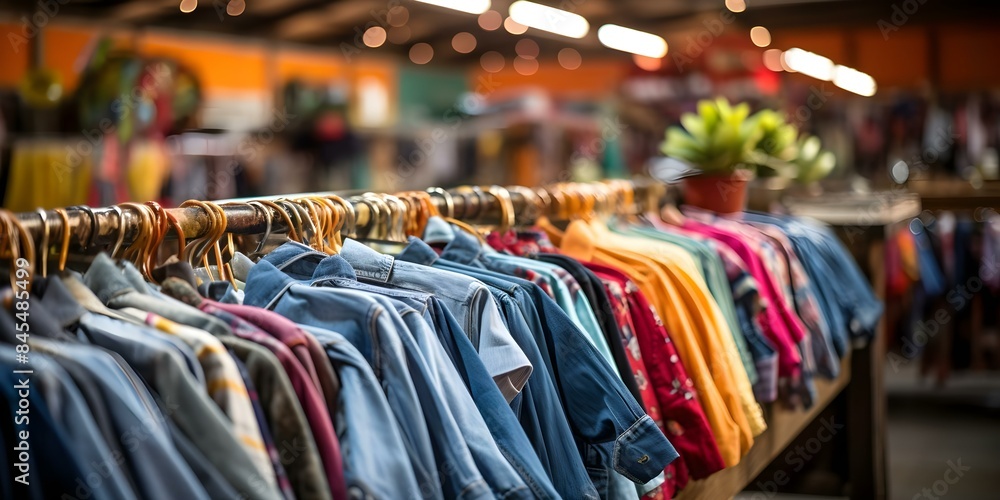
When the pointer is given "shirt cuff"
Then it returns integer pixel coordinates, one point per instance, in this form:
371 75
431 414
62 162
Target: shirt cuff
642 451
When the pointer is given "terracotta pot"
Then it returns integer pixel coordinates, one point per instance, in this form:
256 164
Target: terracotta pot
720 193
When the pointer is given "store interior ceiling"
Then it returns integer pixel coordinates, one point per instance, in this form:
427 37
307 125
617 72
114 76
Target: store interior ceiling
326 23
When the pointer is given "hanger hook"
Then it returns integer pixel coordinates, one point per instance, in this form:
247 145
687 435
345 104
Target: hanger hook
267 230
121 230
507 219
64 247
449 201
44 247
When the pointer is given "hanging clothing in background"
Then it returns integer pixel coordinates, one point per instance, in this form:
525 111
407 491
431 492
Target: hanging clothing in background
47 174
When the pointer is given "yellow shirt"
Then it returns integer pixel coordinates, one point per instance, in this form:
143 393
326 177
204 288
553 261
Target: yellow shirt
717 337
714 385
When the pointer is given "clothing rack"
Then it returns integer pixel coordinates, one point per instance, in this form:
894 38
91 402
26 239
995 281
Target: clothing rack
97 227
93 227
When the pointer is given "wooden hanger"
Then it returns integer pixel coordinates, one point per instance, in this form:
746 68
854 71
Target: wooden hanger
67 232
44 247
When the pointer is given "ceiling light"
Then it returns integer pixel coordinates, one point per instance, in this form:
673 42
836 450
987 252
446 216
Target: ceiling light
549 19
633 41
490 20
736 5
809 64
374 36
647 63
855 81
188 6
469 6
463 42
398 16
527 48
492 61
772 60
760 36
236 7
513 27
569 58
421 53
525 66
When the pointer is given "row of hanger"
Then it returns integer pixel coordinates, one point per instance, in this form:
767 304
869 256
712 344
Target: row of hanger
320 221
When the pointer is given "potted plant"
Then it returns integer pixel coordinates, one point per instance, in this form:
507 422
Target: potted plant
719 141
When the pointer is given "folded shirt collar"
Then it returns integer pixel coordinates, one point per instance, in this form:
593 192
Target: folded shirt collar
367 263
418 252
265 285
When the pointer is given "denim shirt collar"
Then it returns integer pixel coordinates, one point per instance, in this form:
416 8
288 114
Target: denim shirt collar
59 303
418 252
106 280
295 259
334 266
265 285
464 249
367 263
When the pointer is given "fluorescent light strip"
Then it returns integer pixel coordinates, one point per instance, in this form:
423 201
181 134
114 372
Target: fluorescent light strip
809 64
545 18
469 6
632 41
855 81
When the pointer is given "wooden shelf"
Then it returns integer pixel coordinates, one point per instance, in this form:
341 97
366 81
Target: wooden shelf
783 426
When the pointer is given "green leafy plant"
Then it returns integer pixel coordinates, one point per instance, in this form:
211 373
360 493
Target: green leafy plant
776 146
812 161
718 139
722 139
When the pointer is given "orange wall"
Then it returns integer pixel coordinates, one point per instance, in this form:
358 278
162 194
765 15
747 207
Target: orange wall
221 65
592 78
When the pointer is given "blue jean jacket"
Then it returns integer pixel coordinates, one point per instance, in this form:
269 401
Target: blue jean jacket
483 417
612 431
368 325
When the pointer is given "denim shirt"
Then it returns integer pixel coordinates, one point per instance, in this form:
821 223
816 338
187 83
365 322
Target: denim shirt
611 429
371 328
369 475
469 300
185 401
158 470
492 417
845 295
